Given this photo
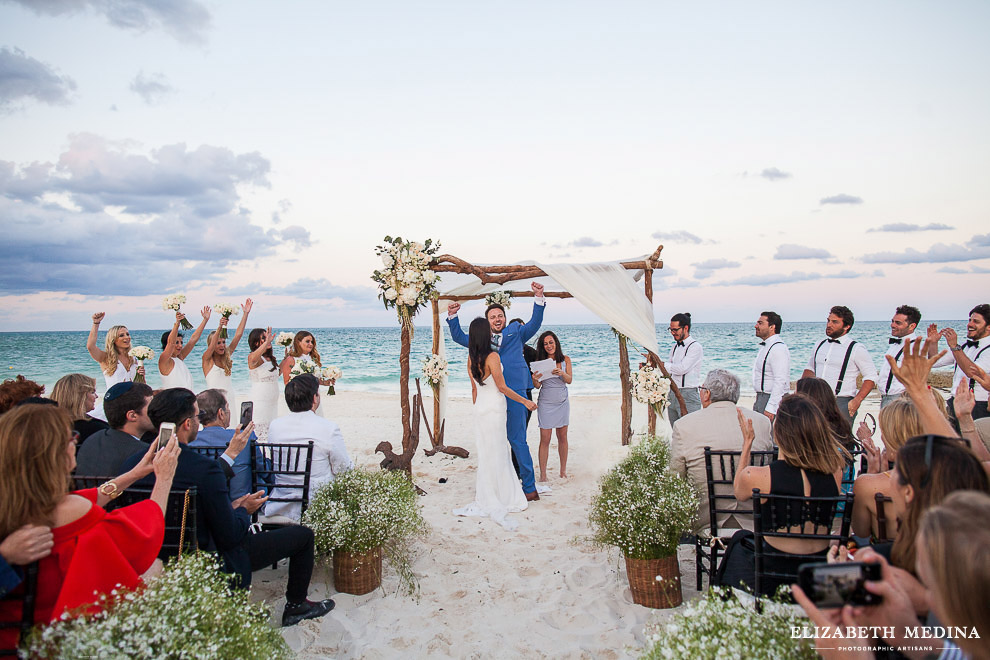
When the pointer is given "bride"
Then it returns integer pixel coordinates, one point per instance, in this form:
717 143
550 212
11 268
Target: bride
497 491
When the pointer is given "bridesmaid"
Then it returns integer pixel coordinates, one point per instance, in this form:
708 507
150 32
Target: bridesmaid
553 407
304 349
263 374
217 360
171 362
115 361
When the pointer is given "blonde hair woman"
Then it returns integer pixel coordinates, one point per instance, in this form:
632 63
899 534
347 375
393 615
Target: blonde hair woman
76 394
115 362
217 360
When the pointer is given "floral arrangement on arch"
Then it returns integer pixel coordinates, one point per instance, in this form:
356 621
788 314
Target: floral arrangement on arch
501 297
434 370
651 387
189 611
720 625
405 280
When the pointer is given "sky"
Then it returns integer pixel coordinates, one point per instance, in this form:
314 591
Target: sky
788 156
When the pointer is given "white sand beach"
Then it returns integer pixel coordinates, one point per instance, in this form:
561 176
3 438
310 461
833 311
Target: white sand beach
487 592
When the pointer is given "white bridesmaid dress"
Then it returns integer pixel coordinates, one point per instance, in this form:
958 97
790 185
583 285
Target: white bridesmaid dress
264 394
216 379
180 376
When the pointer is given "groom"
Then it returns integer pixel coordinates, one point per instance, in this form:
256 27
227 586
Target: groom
508 342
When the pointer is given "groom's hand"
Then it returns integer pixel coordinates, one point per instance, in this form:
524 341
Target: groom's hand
452 308
537 289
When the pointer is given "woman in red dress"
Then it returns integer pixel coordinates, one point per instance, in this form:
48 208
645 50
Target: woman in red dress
94 550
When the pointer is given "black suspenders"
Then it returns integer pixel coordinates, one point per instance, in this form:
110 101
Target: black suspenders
890 376
686 347
972 381
845 363
763 378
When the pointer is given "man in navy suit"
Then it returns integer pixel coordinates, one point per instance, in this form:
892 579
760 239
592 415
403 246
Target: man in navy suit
508 341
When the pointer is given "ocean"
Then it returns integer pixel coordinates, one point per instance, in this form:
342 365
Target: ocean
369 357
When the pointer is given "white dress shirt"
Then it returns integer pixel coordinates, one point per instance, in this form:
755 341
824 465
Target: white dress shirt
896 351
827 364
684 364
978 353
329 456
772 371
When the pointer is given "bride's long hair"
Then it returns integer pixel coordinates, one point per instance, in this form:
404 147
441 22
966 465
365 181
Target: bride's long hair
479 347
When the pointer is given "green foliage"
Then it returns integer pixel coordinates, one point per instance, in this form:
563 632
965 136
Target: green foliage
361 510
187 612
641 507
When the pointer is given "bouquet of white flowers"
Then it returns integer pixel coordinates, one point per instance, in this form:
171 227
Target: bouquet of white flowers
301 367
406 281
434 369
226 310
174 302
501 297
650 386
333 374
141 353
285 339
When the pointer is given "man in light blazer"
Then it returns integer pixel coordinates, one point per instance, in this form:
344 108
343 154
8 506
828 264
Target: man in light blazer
716 425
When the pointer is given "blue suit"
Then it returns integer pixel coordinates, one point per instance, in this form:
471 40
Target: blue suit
518 378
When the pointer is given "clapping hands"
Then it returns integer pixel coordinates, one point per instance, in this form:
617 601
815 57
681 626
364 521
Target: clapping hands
915 367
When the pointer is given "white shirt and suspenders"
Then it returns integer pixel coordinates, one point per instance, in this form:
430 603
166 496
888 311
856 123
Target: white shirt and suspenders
772 371
684 365
979 352
888 385
839 362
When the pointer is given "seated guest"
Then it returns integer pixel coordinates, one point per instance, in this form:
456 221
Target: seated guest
214 415
899 420
22 547
302 424
93 551
822 395
77 394
715 426
222 525
811 463
126 407
15 390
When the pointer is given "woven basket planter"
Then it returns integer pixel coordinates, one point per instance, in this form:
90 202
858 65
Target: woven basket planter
357 574
646 589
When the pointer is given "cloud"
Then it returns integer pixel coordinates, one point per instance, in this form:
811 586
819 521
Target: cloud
284 206
23 77
678 237
954 270
585 241
309 289
842 199
296 234
105 220
767 279
792 251
185 20
705 269
978 248
153 89
773 174
901 227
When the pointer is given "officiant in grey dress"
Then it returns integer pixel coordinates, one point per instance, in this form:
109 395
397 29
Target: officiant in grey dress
553 406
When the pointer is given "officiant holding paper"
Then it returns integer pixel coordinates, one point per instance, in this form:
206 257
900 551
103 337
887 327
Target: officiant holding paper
551 375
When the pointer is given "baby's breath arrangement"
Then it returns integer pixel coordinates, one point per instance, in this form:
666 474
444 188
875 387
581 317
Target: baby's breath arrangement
189 611
723 627
361 510
641 508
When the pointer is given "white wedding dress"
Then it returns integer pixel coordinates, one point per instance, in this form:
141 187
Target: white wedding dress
497 491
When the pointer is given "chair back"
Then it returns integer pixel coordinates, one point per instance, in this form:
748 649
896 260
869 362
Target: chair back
27 597
720 473
180 518
781 516
283 460
212 453
83 483
882 530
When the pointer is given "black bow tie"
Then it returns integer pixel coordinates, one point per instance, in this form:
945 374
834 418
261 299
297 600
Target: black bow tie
763 343
833 341
680 343
894 340
972 343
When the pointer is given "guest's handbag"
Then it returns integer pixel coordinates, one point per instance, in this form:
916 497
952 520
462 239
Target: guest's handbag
738 566
182 533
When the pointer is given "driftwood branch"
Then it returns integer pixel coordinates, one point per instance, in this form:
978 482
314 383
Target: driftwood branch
437 442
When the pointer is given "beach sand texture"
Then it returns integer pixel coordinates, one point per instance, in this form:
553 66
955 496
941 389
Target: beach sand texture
486 592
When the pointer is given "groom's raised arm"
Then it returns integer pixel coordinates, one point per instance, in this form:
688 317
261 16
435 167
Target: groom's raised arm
455 327
536 320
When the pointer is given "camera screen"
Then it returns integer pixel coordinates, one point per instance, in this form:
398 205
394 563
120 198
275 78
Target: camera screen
837 584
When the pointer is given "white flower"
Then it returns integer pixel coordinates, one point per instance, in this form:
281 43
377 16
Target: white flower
285 339
388 260
391 294
141 353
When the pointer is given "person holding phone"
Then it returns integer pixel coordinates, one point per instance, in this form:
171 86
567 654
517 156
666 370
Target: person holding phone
216 418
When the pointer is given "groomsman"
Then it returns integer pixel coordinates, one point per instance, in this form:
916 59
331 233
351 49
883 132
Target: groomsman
965 355
684 365
902 329
839 360
772 369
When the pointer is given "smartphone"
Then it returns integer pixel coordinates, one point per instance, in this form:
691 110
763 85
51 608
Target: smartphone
165 433
836 585
247 413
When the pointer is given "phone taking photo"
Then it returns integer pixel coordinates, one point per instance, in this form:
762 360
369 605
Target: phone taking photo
247 413
837 585
165 433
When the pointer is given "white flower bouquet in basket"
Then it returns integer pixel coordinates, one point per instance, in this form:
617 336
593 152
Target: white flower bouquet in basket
651 387
189 611
434 370
501 297
141 353
226 310
332 374
175 303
